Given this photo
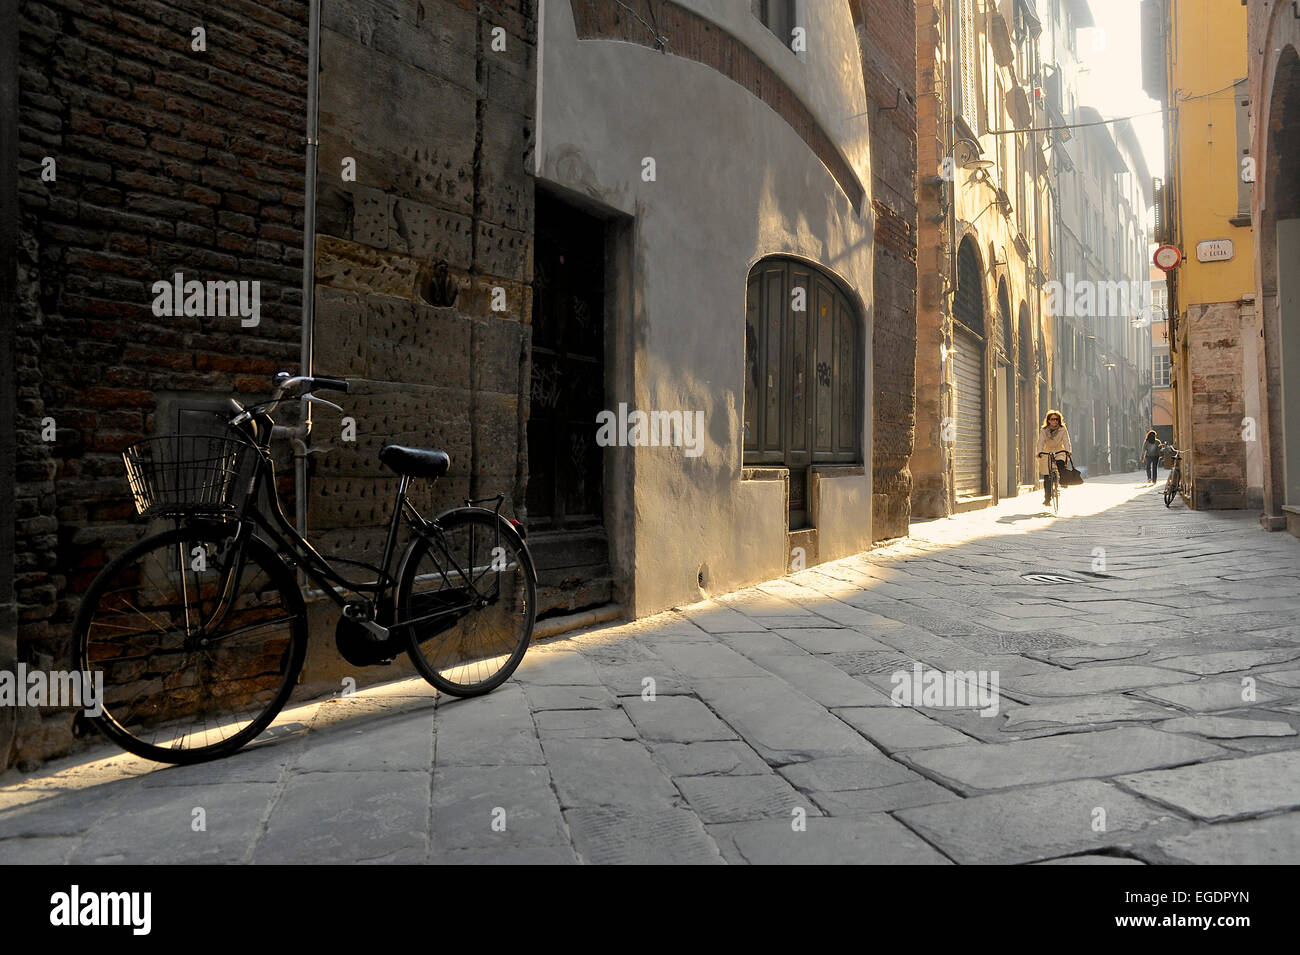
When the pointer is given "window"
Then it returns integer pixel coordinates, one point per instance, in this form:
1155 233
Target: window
777 16
803 368
1241 99
1162 369
967 56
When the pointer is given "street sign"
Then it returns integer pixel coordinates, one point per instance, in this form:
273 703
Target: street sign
1214 250
1168 258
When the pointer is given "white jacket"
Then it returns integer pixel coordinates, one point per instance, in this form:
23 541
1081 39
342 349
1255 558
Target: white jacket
1048 443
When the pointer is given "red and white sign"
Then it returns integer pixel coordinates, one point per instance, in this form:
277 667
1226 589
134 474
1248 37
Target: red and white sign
1168 258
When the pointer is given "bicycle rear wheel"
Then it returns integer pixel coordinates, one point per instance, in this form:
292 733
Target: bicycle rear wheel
1171 487
471 595
186 675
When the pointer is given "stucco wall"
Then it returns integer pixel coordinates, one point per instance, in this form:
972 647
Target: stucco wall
734 183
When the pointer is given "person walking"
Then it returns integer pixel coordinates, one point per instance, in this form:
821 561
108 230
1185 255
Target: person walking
1052 436
1151 453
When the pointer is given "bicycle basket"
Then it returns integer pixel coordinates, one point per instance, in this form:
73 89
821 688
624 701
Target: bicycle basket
187 473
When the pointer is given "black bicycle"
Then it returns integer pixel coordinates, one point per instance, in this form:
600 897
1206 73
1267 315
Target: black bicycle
1174 483
1057 466
201 631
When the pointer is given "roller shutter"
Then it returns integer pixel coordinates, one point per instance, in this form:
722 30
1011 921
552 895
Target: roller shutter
968 369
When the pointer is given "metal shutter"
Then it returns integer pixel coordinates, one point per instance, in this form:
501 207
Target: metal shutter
968 366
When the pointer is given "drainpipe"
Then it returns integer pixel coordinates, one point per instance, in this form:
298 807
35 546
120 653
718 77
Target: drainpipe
303 431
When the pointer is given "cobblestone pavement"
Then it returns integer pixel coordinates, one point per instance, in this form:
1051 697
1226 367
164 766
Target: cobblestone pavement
1149 699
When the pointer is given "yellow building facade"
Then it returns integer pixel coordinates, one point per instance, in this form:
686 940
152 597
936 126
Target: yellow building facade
1195 63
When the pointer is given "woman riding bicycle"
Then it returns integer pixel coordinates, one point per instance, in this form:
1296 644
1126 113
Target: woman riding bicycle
1052 436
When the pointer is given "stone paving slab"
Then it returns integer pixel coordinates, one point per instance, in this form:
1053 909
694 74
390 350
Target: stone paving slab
1027 825
781 724
550 697
708 661
585 724
831 640
675 719
47 850
845 773
869 840
509 855
1099 679
494 807
900 728
1092 860
1271 841
864 802
492 730
611 773
709 759
654 836
1081 711
818 680
1209 695
1206 664
979 766
735 798
1227 788
1225 727
348 818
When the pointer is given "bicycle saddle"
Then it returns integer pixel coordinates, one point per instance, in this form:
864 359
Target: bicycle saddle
415 462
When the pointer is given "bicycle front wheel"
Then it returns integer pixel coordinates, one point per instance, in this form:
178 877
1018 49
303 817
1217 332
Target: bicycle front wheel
467 599
199 642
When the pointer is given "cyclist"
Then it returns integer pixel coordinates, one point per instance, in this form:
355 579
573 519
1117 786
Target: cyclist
1052 436
1151 454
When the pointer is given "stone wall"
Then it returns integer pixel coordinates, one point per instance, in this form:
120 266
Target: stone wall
931 458
165 158
433 104
1212 341
887 37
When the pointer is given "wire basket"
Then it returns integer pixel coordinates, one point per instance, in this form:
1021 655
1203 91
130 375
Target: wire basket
187 473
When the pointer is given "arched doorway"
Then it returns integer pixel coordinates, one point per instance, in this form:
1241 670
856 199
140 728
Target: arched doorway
970 455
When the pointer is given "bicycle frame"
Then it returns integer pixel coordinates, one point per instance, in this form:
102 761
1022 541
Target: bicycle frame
286 540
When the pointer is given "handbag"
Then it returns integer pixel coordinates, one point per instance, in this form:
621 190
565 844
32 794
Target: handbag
1070 476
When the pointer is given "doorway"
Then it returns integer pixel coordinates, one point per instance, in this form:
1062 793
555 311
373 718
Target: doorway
567 390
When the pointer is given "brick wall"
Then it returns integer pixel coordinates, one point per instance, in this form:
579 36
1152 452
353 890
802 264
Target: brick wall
887 38
167 159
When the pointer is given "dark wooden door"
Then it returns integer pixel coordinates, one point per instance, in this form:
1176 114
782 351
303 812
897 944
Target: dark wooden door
565 465
568 379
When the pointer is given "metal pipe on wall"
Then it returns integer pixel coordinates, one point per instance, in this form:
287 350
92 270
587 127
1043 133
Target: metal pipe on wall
308 260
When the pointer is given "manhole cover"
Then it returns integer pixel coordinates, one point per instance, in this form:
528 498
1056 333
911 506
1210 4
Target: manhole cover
1051 579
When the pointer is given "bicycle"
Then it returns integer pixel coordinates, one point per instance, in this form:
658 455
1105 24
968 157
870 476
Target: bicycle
1056 476
201 630
1174 483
